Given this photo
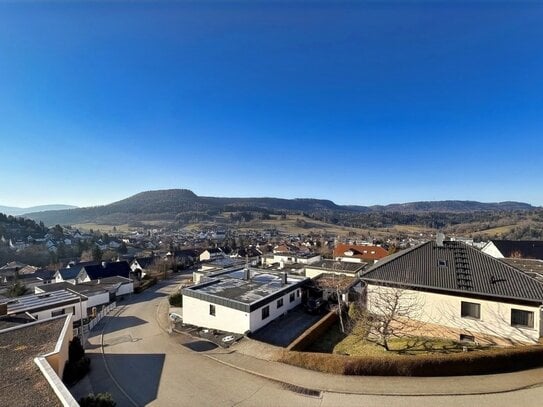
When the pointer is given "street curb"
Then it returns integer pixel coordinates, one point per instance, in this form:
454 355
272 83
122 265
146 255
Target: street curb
369 393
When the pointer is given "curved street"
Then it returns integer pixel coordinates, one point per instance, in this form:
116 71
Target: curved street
136 360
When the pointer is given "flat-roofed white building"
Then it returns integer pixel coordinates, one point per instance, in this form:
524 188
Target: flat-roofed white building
241 300
47 305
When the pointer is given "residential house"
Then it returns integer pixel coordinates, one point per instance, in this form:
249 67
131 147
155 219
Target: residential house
334 267
46 305
460 292
211 254
105 269
242 300
359 253
141 265
524 249
284 259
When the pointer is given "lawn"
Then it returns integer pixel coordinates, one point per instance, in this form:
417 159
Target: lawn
334 341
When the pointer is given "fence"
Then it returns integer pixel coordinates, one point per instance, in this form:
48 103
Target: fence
93 322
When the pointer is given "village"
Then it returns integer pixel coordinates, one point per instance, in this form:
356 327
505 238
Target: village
298 293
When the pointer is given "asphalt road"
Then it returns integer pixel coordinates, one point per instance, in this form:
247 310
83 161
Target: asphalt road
144 365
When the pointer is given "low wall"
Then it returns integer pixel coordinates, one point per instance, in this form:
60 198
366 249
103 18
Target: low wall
314 332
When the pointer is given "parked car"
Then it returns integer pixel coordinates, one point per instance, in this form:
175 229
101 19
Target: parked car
175 317
315 305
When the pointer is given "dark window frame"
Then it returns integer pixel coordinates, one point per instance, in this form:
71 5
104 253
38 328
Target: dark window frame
212 310
280 303
466 307
522 319
265 312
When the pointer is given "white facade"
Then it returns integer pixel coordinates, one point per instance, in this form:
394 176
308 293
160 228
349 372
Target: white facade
197 312
125 289
491 249
285 258
494 322
74 309
348 259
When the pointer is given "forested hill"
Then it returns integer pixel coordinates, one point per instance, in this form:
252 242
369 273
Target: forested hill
20 228
175 204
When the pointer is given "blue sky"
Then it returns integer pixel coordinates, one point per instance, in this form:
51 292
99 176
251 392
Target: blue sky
361 103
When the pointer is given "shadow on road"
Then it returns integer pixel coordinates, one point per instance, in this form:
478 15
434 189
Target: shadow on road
138 374
200 346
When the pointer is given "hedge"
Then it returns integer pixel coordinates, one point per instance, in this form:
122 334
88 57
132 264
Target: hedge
145 283
499 360
176 300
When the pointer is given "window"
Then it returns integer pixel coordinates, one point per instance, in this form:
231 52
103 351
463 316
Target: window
442 263
211 309
522 318
471 310
292 296
298 293
57 313
265 312
467 338
279 303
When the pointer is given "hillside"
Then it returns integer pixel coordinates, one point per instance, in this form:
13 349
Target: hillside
183 205
452 207
16 211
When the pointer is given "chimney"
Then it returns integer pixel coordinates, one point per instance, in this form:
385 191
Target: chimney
440 237
246 274
283 278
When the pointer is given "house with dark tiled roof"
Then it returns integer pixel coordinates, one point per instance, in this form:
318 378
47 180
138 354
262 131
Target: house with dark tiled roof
461 293
521 249
140 265
359 253
111 269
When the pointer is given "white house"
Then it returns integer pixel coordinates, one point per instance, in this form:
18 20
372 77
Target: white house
334 267
526 249
211 254
242 300
291 258
458 292
47 305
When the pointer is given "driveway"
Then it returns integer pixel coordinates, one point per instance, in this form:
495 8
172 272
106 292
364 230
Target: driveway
284 330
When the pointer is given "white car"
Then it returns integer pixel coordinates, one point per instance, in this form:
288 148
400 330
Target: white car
175 317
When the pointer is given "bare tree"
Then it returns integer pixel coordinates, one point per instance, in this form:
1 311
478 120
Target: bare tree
388 313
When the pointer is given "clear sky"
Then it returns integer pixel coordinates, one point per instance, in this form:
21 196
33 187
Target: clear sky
361 103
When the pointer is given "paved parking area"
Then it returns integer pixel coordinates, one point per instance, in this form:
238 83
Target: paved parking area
285 329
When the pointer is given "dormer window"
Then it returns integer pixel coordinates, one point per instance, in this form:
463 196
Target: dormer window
442 263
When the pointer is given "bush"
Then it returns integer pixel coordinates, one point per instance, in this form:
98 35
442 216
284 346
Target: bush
98 400
456 364
77 365
176 300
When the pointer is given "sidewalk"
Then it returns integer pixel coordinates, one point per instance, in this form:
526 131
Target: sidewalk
379 385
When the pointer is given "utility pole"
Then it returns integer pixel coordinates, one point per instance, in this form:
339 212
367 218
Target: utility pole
80 316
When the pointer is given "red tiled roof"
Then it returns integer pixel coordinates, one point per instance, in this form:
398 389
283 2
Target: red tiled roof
360 251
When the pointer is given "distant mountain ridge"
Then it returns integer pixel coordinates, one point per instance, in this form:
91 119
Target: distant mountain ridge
16 211
171 203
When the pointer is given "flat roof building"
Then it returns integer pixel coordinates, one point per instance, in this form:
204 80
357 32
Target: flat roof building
241 300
